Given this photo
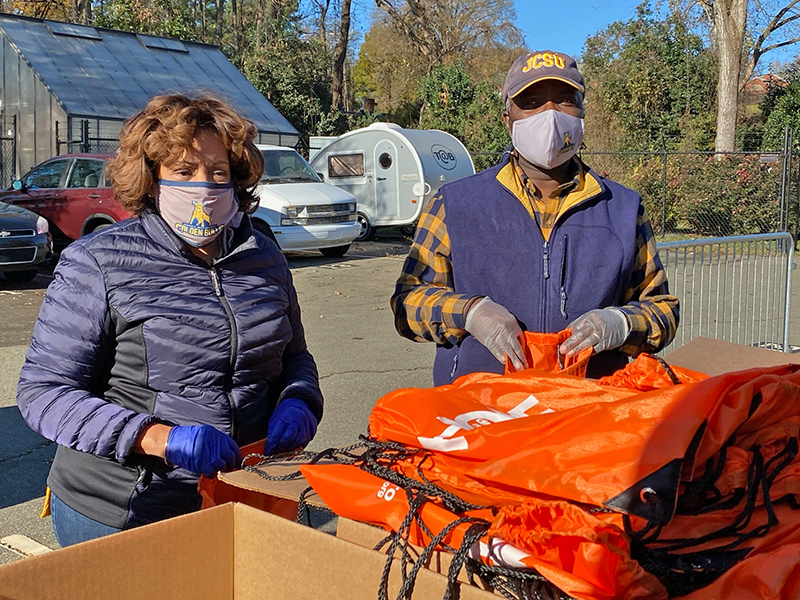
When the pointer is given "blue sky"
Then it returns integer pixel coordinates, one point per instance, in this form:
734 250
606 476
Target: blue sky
564 26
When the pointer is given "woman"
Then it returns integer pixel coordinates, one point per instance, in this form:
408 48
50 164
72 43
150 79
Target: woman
171 338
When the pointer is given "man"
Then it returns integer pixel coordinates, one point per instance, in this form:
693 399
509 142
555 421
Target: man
539 242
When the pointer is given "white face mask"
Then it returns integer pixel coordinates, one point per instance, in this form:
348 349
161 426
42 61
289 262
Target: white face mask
547 139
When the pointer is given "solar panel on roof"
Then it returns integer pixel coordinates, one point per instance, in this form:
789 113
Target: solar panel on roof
79 31
150 41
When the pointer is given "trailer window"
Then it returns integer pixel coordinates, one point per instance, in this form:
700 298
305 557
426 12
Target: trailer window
345 165
385 160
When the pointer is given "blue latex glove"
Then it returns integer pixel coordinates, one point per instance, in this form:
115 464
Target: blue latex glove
202 449
291 426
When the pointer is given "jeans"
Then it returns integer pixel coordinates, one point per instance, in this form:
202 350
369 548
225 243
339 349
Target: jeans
71 527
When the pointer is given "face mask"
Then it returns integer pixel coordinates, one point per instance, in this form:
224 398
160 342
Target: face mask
196 210
547 139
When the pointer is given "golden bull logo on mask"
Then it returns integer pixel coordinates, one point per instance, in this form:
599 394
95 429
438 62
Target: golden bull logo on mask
544 59
568 145
199 224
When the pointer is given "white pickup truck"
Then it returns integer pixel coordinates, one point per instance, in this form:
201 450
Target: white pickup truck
303 212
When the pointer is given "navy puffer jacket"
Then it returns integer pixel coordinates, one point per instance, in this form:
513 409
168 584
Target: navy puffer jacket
134 328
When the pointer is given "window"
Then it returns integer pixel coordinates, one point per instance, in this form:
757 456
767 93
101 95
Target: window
385 160
346 165
286 165
86 173
46 176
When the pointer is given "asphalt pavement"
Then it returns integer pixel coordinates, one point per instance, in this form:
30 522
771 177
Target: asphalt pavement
349 329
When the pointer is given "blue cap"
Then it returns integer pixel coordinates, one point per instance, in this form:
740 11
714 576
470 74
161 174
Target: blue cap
533 67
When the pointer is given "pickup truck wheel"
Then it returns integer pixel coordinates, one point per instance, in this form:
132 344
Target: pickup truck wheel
335 252
367 230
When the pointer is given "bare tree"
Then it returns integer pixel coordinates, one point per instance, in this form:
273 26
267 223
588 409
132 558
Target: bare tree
339 54
443 28
743 32
322 8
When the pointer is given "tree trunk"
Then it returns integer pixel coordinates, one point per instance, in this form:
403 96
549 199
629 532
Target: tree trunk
237 32
82 12
203 21
339 55
730 19
220 21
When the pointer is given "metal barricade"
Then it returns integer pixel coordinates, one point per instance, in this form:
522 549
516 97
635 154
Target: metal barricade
736 289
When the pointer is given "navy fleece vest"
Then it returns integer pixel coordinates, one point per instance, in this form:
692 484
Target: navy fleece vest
497 250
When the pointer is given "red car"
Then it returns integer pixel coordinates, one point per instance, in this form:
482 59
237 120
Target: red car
72 192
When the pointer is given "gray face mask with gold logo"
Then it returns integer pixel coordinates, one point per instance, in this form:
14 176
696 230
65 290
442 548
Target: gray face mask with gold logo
547 139
197 211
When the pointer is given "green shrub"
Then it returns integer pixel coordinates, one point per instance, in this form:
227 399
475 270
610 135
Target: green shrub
732 195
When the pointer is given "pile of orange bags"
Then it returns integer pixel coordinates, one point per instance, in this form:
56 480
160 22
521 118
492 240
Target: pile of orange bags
655 482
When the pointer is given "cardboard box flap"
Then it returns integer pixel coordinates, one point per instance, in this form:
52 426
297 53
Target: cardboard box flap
715 357
185 557
315 565
287 489
230 552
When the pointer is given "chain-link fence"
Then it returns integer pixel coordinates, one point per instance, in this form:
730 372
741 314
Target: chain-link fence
8 151
87 135
703 194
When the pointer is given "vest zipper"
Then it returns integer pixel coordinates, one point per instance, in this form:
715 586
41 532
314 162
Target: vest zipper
545 277
563 291
217 283
546 258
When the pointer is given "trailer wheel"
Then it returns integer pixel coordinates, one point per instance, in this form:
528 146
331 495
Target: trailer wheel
367 229
408 231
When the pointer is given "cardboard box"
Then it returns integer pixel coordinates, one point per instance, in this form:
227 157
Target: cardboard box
230 552
714 357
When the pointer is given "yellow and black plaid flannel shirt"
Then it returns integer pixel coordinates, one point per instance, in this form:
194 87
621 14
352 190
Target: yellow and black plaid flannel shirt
427 309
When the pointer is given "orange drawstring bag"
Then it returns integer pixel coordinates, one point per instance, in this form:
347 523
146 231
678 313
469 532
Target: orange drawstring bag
541 352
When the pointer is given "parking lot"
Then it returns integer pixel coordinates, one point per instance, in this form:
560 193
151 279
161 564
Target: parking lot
349 330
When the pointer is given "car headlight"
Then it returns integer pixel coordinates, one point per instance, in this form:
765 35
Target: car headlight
41 225
297 211
296 221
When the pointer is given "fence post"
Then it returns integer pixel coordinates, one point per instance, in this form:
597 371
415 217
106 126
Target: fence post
85 135
783 219
14 146
663 226
58 141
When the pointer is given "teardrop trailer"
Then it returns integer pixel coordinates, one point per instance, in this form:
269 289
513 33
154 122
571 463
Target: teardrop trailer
393 172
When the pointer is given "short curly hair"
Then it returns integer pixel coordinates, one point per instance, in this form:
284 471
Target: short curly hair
161 132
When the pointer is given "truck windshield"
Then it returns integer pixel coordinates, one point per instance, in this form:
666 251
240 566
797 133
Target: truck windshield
285 165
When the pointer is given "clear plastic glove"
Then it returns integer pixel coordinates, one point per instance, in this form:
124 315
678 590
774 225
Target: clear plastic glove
202 449
498 330
291 426
601 329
